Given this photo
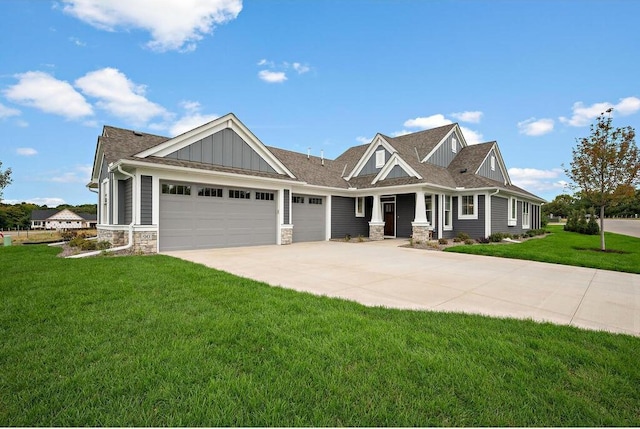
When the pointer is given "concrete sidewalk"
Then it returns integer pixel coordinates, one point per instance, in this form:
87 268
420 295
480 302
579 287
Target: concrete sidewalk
384 274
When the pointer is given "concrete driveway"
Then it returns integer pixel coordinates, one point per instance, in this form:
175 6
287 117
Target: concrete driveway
384 274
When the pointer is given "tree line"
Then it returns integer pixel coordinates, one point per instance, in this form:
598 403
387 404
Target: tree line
18 216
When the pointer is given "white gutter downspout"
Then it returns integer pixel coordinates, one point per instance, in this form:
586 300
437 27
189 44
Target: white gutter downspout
133 220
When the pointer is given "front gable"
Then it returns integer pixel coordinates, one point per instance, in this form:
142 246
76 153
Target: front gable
493 167
63 215
374 158
225 142
395 167
445 151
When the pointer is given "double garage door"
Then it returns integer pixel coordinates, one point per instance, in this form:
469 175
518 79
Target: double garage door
194 216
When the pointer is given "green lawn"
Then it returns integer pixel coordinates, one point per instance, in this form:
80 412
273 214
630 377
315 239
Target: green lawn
156 341
568 248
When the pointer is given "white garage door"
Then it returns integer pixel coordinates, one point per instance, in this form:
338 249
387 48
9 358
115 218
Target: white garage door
194 216
309 218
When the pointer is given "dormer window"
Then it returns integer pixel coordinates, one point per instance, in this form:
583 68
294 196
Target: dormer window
493 163
380 158
454 145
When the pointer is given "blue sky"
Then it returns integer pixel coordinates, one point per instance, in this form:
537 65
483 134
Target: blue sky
325 75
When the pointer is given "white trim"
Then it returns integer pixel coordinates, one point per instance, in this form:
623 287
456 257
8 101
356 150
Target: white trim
512 220
394 160
360 213
446 227
474 215
526 218
495 150
380 158
228 121
377 141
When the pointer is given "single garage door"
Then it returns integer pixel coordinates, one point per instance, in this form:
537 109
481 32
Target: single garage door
195 216
309 218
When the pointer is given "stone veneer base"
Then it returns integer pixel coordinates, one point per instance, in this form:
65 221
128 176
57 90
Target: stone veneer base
286 234
376 231
421 232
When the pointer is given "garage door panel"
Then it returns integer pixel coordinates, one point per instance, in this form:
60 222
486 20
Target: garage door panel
200 222
309 220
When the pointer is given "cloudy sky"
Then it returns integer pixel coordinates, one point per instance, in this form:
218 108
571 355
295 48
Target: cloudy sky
324 75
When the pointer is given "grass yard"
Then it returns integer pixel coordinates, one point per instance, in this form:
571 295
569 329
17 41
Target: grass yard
568 248
156 341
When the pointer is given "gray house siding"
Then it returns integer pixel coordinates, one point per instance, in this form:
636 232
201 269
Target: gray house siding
225 148
287 208
500 215
474 227
485 168
443 154
370 166
396 172
343 217
146 200
405 214
124 201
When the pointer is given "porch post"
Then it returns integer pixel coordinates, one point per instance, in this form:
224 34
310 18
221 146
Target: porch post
376 226
420 228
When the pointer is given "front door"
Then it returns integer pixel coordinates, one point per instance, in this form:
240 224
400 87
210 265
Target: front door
389 219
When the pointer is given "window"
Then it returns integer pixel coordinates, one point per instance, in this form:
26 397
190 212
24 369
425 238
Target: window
380 158
264 196
297 200
360 207
493 163
448 225
176 189
428 204
313 200
210 192
454 145
467 207
513 212
525 215
243 195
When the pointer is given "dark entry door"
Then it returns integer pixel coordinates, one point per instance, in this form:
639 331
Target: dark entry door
389 219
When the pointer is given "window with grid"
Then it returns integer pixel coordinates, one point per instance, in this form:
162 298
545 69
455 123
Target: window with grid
314 200
264 196
238 194
297 200
210 192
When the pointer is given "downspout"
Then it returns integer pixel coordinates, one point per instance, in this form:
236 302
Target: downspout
133 220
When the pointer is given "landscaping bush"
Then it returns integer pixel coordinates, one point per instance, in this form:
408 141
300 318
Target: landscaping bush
88 245
577 222
483 240
497 237
469 241
103 245
592 226
68 235
443 241
463 236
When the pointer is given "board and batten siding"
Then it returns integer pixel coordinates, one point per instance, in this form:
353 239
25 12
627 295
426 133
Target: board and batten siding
443 155
146 200
474 227
370 166
396 172
125 194
224 148
343 217
486 171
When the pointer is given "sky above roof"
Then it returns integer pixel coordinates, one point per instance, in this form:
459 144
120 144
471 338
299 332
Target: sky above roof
324 75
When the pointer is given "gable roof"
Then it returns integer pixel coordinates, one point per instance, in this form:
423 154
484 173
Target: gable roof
43 214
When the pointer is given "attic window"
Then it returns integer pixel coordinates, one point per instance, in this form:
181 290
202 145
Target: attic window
380 158
493 163
454 145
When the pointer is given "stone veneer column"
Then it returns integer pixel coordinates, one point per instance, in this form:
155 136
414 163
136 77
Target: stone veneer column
286 234
376 226
420 226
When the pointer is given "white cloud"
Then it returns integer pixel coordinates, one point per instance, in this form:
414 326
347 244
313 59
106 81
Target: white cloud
473 117
81 174
363 140
119 96
192 119
584 115
438 120
26 151
41 201
174 25
301 68
536 180
7 112
535 127
272 77
43 91
77 42
428 122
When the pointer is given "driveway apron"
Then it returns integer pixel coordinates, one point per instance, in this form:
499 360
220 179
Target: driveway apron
384 274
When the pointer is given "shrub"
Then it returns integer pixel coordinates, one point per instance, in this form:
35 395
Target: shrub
68 235
463 236
88 245
103 245
483 240
360 238
347 237
443 241
497 237
592 225
456 239
469 241
411 241
77 241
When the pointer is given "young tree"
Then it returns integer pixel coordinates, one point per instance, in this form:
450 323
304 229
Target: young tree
5 179
605 166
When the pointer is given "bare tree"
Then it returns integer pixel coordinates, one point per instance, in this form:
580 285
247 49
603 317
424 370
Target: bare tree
5 179
606 165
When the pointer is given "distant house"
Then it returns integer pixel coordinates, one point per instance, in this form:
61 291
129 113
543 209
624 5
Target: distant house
62 219
218 185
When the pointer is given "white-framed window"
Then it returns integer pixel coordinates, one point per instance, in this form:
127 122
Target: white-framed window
359 206
454 145
238 194
210 192
315 200
468 207
264 196
176 189
428 205
448 218
526 217
493 163
297 199
380 158
513 212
